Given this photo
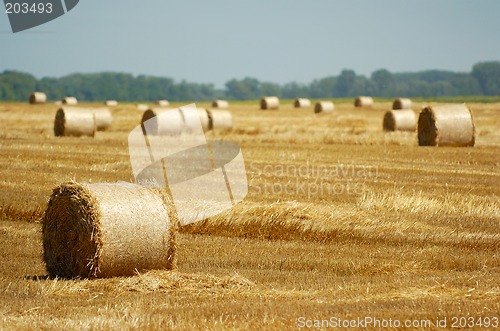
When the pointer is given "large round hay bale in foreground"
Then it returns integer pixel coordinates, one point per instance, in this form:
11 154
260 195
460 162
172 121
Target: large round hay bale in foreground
446 125
400 120
111 103
71 121
220 120
363 101
301 103
162 103
106 230
103 118
269 103
37 98
163 121
402 103
70 101
324 107
221 104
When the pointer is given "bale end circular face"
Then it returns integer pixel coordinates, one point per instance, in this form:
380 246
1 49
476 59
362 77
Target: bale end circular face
427 131
389 121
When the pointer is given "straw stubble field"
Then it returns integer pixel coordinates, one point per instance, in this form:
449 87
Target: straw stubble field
341 220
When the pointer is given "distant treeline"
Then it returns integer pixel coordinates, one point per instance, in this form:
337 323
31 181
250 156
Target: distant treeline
483 80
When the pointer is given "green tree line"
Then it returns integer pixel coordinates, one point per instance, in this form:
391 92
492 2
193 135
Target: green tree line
483 80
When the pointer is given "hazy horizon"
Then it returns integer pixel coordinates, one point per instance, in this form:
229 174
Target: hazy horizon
277 41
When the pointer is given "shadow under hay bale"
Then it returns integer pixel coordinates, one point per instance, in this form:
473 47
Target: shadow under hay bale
69 101
221 104
363 101
324 107
220 120
402 103
74 122
106 230
103 118
269 103
37 98
400 120
302 103
446 125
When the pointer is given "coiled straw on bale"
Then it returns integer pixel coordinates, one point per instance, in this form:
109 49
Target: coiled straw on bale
400 120
220 120
70 101
446 125
103 118
324 107
302 103
402 103
106 230
37 98
269 103
221 104
363 101
163 103
170 124
111 103
74 122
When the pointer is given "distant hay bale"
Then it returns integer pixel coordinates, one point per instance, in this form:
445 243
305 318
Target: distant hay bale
220 120
191 119
142 107
74 122
446 125
324 107
302 103
37 98
400 120
205 121
58 103
269 103
363 101
106 230
402 103
69 101
221 104
171 123
111 103
162 103
103 118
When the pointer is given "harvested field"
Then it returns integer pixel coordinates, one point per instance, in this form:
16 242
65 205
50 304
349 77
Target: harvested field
341 220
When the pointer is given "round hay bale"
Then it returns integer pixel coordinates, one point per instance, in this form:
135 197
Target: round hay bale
142 107
205 121
221 104
162 103
70 101
170 123
74 122
220 120
400 120
402 103
446 125
190 119
302 103
37 98
269 103
363 101
324 107
103 118
107 230
111 103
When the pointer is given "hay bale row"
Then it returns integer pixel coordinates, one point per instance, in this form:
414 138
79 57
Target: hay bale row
324 107
69 101
302 103
363 101
221 104
111 103
37 98
162 103
446 125
106 230
402 103
268 103
400 120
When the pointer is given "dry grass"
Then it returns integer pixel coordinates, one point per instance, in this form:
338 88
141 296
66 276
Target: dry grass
341 220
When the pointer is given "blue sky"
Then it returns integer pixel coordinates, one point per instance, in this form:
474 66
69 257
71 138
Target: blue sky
274 40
